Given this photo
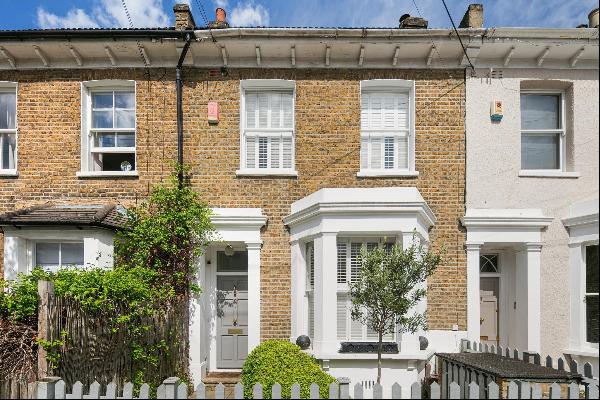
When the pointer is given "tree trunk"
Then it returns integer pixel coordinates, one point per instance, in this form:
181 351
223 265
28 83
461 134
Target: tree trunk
379 348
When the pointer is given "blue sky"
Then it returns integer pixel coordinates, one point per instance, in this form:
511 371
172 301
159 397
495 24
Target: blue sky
27 14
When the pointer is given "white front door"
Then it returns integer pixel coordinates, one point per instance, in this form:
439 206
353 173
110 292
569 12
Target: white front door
489 311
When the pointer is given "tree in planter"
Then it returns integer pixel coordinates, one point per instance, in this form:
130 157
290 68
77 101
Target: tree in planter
388 286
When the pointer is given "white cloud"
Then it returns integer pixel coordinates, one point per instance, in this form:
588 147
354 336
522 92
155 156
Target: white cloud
75 18
108 13
221 3
249 14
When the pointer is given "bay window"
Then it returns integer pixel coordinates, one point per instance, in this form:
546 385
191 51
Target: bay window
310 285
109 122
267 143
8 128
542 131
387 128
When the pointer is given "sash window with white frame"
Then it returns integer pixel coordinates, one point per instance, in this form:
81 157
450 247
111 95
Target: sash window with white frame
54 255
267 128
591 294
8 128
110 138
542 131
348 269
387 127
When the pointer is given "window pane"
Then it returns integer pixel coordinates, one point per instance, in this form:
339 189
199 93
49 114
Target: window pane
102 100
591 316
341 263
102 119
124 100
591 269
540 111
540 151
488 263
8 144
236 262
104 140
251 152
8 106
388 153
125 140
72 254
47 254
124 119
355 261
114 161
263 151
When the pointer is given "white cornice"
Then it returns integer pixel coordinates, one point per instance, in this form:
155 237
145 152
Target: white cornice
581 220
510 218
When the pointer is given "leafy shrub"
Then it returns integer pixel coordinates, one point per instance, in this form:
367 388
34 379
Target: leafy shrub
279 361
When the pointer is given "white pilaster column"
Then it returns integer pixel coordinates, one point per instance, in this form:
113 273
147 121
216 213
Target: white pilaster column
253 294
298 290
530 299
325 293
473 296
576 261
198 342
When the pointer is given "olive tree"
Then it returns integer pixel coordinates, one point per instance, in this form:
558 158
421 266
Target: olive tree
388 286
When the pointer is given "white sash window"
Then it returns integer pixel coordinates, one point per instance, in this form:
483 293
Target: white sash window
348 268
267 128
387 128
8 128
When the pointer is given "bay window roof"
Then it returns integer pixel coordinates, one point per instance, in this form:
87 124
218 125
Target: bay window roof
108 216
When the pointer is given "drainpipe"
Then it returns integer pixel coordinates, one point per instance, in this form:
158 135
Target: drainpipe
179 87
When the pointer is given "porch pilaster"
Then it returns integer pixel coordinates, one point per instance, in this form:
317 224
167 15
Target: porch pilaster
325 293
528 296
473 296
253 249
298 289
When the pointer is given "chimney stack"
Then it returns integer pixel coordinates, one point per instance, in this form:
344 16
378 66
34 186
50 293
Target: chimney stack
408 22
183 17
221 19
593 18
473 18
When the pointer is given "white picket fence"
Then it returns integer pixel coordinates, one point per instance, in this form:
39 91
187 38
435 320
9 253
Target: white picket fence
173 388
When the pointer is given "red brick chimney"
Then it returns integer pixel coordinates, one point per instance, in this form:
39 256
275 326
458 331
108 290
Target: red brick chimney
184 20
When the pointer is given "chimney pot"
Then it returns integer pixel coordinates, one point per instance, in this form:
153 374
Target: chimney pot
184 20
473 18
221 19
221 15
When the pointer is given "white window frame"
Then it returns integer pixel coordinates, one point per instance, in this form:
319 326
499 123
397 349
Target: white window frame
343 288
60 243
545 132
87 132
391 85
583 282
258 85
9 87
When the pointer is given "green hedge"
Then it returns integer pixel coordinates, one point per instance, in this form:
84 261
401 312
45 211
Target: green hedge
279 361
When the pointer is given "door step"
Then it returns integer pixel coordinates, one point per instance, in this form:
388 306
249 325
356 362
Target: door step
228 379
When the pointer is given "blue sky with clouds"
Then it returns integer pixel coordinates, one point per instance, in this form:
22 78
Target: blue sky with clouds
27 14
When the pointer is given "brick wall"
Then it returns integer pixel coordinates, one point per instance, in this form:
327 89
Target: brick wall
327 155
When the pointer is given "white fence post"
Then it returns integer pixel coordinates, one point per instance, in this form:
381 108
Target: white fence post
201 391
344 386
295 391
257 391
219 391
358 391
238 391
275 391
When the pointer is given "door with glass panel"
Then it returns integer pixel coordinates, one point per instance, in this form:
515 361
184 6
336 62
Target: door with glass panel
232 309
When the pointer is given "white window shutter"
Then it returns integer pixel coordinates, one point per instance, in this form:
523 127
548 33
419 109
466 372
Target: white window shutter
287 151
342 316
341 263
403 112
287 107
275 152
364 153
263 110
275 108
251 109
354 261
251 152
376 153
402 151
311 316
263 152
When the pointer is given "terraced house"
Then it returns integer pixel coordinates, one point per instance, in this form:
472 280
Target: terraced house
308 143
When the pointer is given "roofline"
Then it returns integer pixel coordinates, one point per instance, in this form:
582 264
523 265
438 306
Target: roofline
109 33
390 33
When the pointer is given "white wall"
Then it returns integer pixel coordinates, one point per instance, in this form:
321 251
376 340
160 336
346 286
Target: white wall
493 164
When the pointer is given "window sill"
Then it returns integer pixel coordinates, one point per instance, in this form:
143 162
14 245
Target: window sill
583 352
9 173
266 173
394 173
531 173
107 174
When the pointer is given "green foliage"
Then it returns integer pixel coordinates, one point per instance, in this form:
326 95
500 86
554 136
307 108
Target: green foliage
53 349
155 259
388 286
166 234
279 361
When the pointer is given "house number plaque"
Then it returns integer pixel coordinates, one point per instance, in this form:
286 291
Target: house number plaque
235 331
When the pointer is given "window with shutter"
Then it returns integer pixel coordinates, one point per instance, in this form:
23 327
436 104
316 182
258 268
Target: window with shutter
310 283
387 128
268 131
348 268
8 129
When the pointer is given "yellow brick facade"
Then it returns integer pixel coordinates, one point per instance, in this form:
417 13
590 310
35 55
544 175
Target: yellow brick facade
327 113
